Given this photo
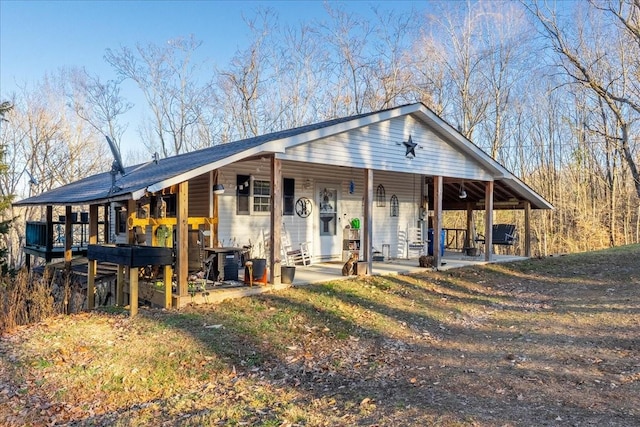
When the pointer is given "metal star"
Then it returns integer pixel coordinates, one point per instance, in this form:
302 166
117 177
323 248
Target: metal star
411 147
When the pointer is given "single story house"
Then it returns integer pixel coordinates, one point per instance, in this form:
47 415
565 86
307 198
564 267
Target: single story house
342 186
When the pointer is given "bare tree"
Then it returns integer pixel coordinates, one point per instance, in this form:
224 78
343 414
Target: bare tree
99 104
612 75
169 82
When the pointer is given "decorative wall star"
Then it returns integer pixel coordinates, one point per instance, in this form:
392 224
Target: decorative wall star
410 146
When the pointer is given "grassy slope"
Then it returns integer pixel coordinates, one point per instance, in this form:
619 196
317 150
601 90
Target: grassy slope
543 342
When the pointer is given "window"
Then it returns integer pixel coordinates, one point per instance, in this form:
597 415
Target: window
261 196
243 191
288 196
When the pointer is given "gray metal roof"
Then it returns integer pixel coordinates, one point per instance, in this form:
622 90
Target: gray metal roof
153 176
96 188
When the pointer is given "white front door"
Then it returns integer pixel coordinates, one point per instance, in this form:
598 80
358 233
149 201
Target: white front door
330 237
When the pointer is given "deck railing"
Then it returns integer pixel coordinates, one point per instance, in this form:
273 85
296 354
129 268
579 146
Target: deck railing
36 234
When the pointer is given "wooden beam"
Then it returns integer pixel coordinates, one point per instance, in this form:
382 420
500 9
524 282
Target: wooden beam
133 291
120 286
437 223
182 236
68 238
168 275
93 264
107 226
367 232
488 221
214 177
49 220
527 229
469 237
91 280
275 243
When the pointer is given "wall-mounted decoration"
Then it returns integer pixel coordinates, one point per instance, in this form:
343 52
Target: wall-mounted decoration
303 207
381 198
352 187
411 148
395 206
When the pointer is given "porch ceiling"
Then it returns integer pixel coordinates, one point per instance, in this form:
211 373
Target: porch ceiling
504 196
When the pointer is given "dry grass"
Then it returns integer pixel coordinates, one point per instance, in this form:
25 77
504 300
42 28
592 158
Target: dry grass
540 342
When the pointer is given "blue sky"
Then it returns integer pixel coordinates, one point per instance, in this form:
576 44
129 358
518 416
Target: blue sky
40 37
37 37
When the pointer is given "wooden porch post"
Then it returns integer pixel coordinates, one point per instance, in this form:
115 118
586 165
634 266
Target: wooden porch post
367 232
527 229
120 286
107 226
93 264
468 240
488 221
68 238
437 224
214 209
132 272
133 291
182 237
275 244
49 220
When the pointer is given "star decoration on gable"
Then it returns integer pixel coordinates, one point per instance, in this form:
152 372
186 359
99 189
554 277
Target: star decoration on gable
410 146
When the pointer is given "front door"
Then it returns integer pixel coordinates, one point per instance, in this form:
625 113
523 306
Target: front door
327 199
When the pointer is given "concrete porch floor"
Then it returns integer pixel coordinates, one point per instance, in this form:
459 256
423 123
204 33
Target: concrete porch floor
326 271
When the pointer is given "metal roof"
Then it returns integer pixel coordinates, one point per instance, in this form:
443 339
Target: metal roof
154 176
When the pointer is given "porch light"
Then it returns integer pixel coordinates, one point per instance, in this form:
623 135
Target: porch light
218 189
463 193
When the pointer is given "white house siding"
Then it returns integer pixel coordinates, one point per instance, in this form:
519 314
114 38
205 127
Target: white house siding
379 147
238 230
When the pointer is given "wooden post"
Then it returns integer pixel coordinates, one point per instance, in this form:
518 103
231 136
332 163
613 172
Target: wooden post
182 236
488 221
120 286
527 228
213 210
68 238
437 216
93 264
168 292
275 244
367 232
133 291
468 241
49 221
107 227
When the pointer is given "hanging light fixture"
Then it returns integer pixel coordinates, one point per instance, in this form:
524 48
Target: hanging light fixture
218 189
463 193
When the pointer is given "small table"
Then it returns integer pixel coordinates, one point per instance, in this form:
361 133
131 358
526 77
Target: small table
226 262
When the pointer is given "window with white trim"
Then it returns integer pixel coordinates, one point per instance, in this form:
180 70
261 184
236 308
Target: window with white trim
261 196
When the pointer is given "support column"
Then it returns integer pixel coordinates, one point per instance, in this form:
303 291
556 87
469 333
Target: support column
182 237
527 229
367 232
68 238
437 220
275 243
469 236
93 264
168 292
133 291
49 220
120 285
488 221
